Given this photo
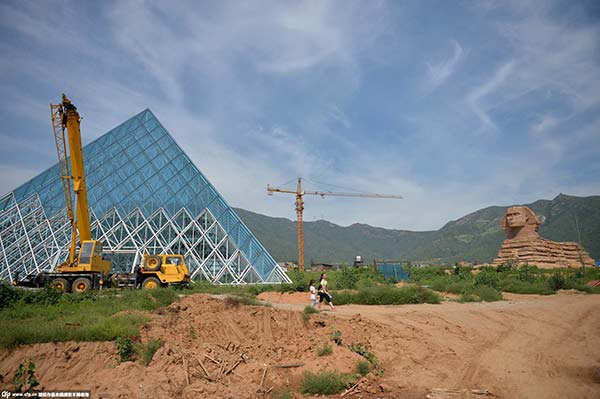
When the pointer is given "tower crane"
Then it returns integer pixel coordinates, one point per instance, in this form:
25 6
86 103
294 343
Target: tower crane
300 208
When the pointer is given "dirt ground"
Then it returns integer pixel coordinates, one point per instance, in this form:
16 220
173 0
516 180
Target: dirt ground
525 347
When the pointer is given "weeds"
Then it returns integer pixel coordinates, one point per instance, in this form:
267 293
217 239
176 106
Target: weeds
363 367
336 337
147 351
232 301
25 377
324 350
308 312
325 383
387 295
125 349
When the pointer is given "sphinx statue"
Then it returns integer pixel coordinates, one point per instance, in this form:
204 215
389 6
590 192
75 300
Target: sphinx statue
523 244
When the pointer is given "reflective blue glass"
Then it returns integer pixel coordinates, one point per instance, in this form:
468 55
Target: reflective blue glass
138 164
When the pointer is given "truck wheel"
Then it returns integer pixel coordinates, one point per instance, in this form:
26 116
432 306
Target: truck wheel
150 283
60 284
152 263
81 285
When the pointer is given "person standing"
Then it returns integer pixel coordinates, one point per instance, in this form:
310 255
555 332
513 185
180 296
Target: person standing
324 292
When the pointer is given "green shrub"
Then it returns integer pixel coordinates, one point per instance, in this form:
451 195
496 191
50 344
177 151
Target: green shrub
387 295
556 282
481 293
336 337
528 274
347 278
47 296
325 383
8 295
363 367
522 287
487 278
324 350
364 352
125 349
25 378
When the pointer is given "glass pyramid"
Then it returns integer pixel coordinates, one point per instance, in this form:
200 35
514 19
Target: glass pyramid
145 195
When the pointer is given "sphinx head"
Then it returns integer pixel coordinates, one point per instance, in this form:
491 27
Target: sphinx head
520 222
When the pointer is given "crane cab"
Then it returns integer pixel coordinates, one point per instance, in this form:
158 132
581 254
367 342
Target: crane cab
90 260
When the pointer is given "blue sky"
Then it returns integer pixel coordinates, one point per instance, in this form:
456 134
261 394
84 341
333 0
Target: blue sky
456 105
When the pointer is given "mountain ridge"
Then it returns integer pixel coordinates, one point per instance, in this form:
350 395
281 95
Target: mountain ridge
474 237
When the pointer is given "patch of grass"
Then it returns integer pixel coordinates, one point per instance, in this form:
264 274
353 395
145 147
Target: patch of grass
324 350
363 367
481 293
327 382
387 295
308 312
99 316
148 350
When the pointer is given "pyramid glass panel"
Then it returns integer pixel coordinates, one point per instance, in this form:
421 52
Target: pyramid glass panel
145 196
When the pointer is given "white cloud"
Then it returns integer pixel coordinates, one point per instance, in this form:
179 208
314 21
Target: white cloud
476 98
438 73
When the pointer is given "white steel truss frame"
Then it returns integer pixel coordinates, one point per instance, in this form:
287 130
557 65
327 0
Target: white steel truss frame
30 242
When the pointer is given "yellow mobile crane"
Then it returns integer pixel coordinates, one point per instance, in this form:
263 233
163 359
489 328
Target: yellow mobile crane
89 269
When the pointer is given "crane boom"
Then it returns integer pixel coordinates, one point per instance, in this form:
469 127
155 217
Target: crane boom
300 208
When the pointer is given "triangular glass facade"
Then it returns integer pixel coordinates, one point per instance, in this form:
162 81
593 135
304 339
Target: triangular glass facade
145 195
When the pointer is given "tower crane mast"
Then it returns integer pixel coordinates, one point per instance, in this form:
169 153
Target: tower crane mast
300 208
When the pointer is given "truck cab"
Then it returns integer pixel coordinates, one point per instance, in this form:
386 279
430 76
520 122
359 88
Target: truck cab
163 270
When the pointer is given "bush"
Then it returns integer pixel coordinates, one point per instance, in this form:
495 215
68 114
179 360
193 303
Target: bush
336 337
324 350
325 382
347 278
47 296
487 278
387 295
556 282
8 295
364 352
125 349
521 287
363 367
481 293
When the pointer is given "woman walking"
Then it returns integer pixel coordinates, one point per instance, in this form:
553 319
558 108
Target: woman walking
324 292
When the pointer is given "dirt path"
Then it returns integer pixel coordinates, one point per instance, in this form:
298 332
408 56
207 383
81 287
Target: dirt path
526 347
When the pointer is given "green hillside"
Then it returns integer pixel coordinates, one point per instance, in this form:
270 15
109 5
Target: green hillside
474 237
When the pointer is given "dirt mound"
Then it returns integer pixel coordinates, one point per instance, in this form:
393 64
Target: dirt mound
212 348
